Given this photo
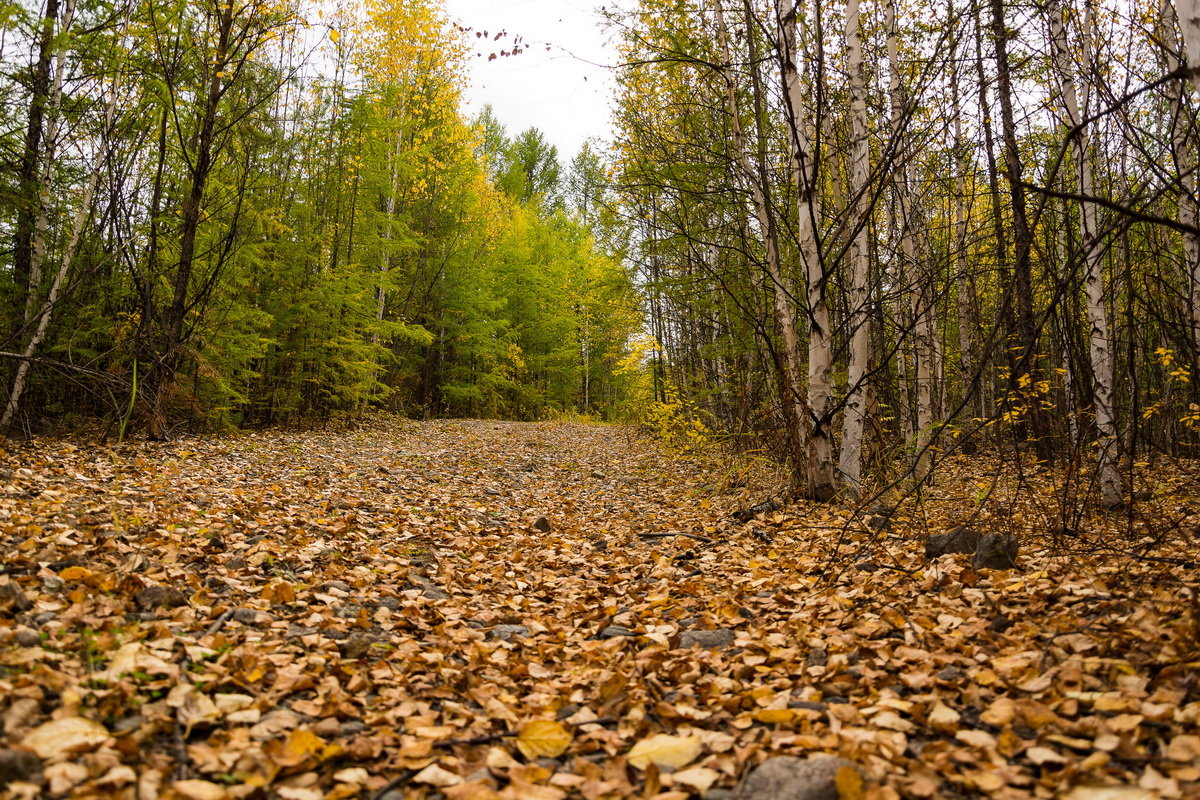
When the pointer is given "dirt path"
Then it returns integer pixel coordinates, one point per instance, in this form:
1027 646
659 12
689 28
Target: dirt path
309 615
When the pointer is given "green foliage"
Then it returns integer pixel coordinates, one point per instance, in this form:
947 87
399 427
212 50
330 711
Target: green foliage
360 244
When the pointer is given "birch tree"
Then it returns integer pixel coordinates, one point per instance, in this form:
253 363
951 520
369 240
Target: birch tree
1072 85
822 479
850 458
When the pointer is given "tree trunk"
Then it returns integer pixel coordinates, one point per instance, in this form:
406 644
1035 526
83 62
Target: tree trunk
1098 333
790 365
31 191
162 378
850 460
822 472
1023 377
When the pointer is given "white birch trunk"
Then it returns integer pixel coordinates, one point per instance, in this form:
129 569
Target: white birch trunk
850 463
1189 26
1183 147
1098 334
822 477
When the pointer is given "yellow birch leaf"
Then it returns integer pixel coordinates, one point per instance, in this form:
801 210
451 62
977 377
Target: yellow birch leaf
849 782
664 750
543 737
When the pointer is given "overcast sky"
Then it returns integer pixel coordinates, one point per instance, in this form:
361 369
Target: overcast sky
556 91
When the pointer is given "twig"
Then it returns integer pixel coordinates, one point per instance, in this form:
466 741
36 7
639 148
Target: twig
696 536
219 622
394 783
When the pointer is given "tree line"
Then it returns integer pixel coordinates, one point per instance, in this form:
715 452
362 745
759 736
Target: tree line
259 212
872 232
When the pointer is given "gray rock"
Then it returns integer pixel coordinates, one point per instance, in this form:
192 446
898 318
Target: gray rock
710 640
508 632
13 598
613 631
246 616
52 584
341 586
956 540
295 631
434 593
44 618
357 645
27 637
996 551
158 595
791 778
19 766
353 727
347 611
541 524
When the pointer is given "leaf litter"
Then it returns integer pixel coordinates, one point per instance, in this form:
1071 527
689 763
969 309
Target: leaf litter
470 609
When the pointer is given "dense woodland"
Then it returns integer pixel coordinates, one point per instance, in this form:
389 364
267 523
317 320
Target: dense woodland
914 224
266 212
857 234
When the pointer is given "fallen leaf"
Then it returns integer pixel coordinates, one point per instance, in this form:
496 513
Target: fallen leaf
664 750
543 738
62 737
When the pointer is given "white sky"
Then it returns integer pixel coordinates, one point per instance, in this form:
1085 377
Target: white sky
555 91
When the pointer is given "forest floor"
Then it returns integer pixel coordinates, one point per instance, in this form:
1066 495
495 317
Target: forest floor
469 609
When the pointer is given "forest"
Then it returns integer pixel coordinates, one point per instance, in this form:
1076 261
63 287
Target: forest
828 431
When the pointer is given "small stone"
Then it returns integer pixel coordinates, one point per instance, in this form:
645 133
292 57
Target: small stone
44 618
216 544
613 631
434 593
340 586
956 540
328 728
27 637
357 645
12 598
951 674
542 524
235 564
791 778
353 727
246 616
1000 624
1143 496
808 705
507 633
347 611
52 584
878 522
567 711
597 474
818 657
996 551
709 640
19 766
158 595
881 510
295 631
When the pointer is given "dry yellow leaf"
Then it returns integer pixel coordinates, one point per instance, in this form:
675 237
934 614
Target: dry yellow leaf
850 784
777 716
699 778
75 574
200 790
62 737
543 737
664 750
